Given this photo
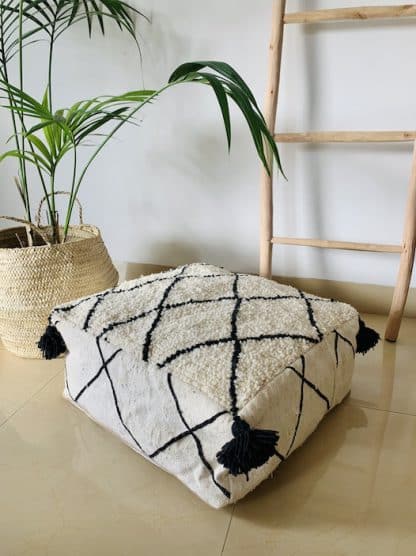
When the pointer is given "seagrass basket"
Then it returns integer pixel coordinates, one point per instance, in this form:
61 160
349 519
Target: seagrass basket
34 279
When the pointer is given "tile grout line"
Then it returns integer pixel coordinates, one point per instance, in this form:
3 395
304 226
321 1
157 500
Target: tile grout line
227 531
29 399
382 410
351 405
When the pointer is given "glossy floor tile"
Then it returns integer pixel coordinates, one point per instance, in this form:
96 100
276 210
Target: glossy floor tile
73 489
70 488
20 379
348 491
385 377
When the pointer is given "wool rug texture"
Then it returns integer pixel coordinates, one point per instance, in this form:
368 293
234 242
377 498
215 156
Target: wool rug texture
214 376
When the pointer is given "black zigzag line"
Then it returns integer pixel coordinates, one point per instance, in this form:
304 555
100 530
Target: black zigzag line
277 297
300 407
160 308
102 296
311 315
196 302
68 308
228 298
134 318
346 340
279 336
336 347
226 340
184 351
179 304
129 320
164 278
196 439
126 428
279 455
91 312
236 350
96 376
316 298
114 291
169 306
334 382
187 433
311 385
280 296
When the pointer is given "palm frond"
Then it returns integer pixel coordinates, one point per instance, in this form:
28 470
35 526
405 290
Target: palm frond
66 129
32 158
52 18
227 83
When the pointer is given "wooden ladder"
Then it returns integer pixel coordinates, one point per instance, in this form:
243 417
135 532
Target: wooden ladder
280 18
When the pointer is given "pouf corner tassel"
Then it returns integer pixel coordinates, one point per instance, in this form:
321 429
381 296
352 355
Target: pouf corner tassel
367 338
249 449
52 344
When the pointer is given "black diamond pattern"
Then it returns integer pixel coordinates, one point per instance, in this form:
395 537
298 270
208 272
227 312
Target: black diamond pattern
164 306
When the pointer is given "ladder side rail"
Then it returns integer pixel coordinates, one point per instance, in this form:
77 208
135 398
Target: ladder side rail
270 109
406 260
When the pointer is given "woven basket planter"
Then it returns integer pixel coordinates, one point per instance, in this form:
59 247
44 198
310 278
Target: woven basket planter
35 279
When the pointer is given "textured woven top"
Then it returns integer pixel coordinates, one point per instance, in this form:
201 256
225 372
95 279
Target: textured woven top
205 324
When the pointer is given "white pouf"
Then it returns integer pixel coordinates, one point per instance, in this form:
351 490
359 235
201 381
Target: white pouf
216 377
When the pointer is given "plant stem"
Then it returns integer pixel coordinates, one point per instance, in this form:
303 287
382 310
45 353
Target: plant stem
50 60
42 179
16 137
71 196
5 77
15 134
50 75
45 190
23 150
53 210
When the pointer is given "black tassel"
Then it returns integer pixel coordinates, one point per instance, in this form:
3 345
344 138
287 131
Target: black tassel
249 449
367 338
51 343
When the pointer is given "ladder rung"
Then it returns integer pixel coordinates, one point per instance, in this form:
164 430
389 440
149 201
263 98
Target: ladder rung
346 137
350 246
342 14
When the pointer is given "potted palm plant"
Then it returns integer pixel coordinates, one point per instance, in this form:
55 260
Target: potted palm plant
42 265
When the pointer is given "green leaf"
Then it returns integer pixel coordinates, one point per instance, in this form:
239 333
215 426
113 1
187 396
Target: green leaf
53 17
29 157
38 143
87 130
221 95
221 68
45 99
226 80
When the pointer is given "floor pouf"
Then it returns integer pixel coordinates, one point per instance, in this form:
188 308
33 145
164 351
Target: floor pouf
214 376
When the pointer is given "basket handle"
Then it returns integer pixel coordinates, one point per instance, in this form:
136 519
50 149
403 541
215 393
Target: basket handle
39 213
29 225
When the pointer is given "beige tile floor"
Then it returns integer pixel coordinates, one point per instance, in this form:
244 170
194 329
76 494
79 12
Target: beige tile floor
67 487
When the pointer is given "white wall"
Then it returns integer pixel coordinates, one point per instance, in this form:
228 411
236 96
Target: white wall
167 192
